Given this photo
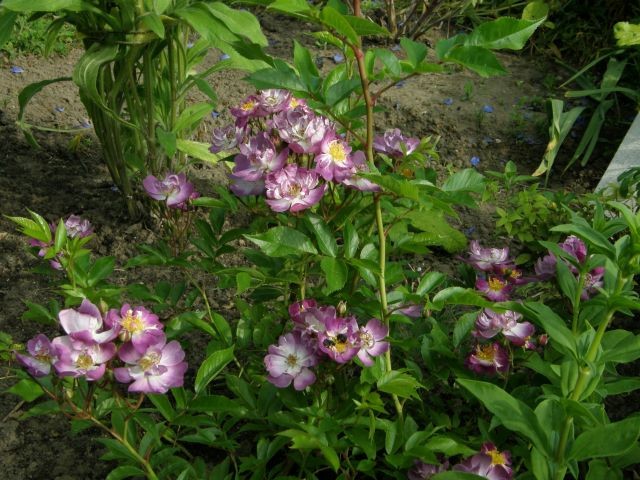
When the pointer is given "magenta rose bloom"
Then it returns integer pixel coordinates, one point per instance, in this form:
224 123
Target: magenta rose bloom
489 324
545 267
289 361
371 340
258 158
489 463
41 355
136 325
302 129
174 188
333 163
424 471
340 340
494 288
298 309
248 109
85 324
488 359
394 144
160 367
293 188
79 359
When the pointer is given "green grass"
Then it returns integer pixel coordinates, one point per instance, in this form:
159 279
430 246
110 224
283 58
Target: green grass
30 37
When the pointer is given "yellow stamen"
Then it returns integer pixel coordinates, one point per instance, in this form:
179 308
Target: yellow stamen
247 106
496 284
84 361
294 103
149 360
132 323
336 151
292 360
485 352
497 458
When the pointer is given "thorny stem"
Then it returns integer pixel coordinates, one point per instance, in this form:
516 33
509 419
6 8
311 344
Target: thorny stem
382 258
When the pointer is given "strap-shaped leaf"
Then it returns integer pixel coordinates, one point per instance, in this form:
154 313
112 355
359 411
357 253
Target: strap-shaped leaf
212 367
27 6
7 20
512 413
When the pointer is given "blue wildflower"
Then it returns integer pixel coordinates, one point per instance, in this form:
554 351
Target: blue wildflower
475 161
224 56
448 101
487 109
400 84
59 109
215 114
16 70
338 58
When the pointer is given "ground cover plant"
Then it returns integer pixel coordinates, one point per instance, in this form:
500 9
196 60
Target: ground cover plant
343 361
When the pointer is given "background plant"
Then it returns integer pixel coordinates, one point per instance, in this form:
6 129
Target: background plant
137 71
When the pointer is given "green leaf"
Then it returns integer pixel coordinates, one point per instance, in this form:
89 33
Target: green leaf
589 235
477 59
390 61
341 90
152 21
191 116
512 413
451 475
291 6
351 240
338 22
606 441
467 180
459 296
305 441
162 403
168 141
416 51
365 27
400 384
200 151
535 10
620 346
27 389
125 471
37 228
25 96
323 234
436 231
503 33
306 67
241 22
429 282
100 270
213 404
282 77
60 237
28 6
282 242
7 20
463 327
335 272
212 367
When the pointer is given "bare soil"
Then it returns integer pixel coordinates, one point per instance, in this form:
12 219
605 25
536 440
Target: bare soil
56 181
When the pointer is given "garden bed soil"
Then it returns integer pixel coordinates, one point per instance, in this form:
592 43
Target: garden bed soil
57 181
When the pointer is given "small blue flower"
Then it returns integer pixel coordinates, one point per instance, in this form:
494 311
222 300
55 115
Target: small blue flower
16 70
215 114
475 161
469 231
400 84
448 101
190 44
224 56
338 58
487 109
59 109
85 123
396 47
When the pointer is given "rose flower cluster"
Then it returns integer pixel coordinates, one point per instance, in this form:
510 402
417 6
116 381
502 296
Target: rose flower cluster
291 154
76 226
130 342
318 334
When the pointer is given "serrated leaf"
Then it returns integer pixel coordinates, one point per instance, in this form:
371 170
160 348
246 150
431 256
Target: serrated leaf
335 20
399 383
324 237
282 242
212 367
365 27
336 272
27 389
416 51
125 471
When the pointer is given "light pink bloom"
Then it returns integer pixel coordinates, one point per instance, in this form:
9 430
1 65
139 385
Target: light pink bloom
489 463
487 259
489 324
78 227
520 333
293 188
289 361
85 324
340 340
79 359
370 338
157 369
136 325
545 267
302 129
360 165
248 109
257 158
298 309
224 138
488 359
334 162
424 471
40 358
394 144
274 100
